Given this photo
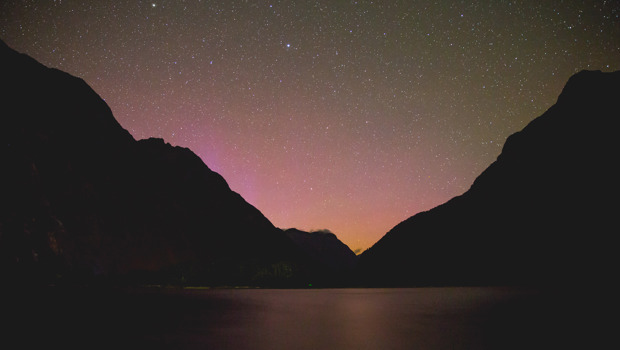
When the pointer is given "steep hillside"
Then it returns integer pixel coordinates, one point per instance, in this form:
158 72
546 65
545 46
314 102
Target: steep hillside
81 199
543 213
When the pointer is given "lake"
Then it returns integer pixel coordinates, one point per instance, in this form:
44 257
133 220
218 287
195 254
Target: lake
410 318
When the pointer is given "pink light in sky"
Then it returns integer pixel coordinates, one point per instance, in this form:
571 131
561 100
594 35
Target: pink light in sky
350 116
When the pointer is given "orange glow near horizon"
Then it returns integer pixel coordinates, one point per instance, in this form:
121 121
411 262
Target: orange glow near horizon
347 116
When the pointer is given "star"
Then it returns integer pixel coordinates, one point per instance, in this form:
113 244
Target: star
387 110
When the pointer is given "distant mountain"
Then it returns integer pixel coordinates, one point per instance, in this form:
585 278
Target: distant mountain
544 213
80 199
327 250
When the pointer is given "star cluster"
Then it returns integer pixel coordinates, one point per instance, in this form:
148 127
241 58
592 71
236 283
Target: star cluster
346 115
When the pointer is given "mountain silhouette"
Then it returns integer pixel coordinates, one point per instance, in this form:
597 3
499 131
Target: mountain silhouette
543 213
335 257
81 200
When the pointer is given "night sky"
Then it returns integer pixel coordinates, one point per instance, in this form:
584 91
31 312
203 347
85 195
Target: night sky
345 115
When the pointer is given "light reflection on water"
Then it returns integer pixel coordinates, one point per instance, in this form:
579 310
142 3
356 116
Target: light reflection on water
348 319
413 318
416 318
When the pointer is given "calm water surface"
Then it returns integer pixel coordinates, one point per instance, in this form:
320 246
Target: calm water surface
415 318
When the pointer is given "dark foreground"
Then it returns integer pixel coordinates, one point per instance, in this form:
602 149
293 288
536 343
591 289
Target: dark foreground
413 318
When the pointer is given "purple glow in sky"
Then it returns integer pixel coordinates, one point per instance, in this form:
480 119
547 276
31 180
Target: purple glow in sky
347 115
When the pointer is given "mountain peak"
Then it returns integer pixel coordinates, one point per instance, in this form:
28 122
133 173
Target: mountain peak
588 85
81 199
325 248
31 93
542 213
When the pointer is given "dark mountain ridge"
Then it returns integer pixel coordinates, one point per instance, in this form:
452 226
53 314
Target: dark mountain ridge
327 250
81 199
542 213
